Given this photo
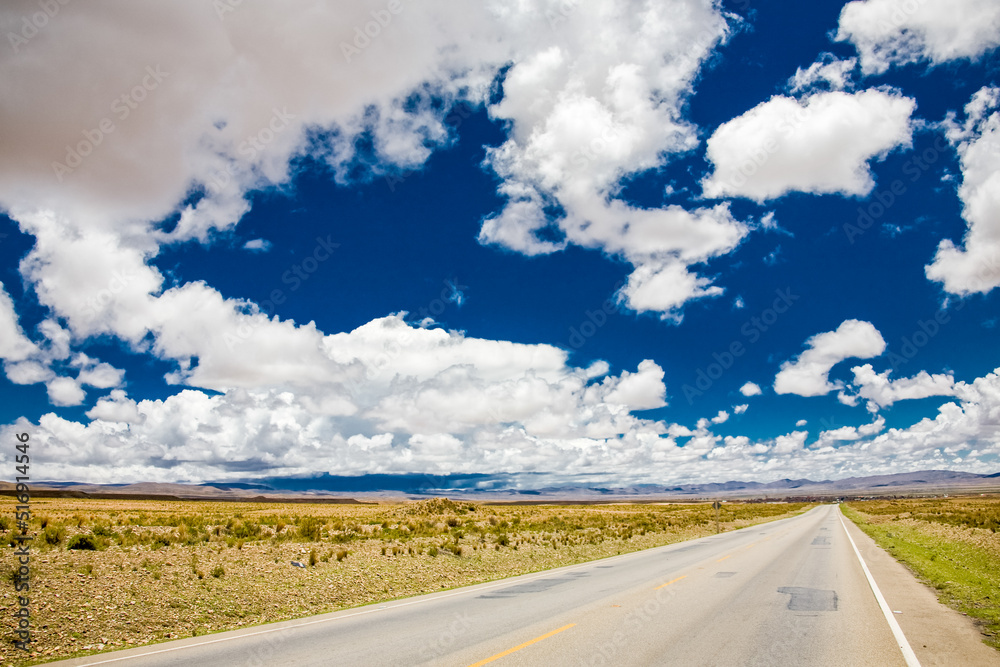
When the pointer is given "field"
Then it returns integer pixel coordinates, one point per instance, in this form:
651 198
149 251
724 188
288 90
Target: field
112 574
950 543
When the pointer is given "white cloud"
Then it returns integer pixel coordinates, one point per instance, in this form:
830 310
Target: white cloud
883 392
257 245
835 74
97 374
642 390
750 389
721 418
800 423
587 113
849 433
975 266
740 409
14 345
820 144
807 375
790 443
897 32
65 391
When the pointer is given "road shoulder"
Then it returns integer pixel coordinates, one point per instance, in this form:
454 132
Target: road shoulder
939 635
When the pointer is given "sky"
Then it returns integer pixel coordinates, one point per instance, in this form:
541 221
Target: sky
541 242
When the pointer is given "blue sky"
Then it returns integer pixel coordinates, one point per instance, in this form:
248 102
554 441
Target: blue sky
596 242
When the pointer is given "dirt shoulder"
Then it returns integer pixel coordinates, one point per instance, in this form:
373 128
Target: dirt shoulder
938 635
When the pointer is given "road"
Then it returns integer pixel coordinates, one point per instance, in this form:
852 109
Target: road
790 592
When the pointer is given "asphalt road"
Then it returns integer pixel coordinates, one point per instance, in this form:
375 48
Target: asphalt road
791 592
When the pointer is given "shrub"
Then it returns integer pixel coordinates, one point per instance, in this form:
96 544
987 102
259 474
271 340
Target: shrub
310 528
432 552
218 571
313 558
103 531
83 543
341 554
53 534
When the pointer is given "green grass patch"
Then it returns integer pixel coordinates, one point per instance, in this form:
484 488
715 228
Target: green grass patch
966 577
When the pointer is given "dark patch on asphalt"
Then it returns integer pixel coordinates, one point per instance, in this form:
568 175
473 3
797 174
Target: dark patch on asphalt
604 567
724 575
821 541
537 586
810 599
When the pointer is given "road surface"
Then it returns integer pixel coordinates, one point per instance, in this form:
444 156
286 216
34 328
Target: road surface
790 592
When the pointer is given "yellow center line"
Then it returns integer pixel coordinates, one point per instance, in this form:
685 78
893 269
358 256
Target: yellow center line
723 558
672 581
520 646
751 545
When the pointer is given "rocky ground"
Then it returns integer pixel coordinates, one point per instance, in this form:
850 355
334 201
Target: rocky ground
85 602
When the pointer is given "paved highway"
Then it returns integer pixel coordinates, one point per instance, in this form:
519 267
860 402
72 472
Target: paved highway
791 592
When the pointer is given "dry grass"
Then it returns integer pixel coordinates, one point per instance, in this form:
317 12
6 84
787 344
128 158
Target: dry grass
163 570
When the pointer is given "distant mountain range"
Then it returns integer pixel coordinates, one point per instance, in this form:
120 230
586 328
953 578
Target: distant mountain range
332 488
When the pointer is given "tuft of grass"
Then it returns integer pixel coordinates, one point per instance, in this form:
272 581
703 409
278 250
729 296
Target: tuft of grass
218 571
967 577
54 534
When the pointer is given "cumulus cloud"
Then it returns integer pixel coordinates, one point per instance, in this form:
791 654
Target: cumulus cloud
14 345
881 391
750 389
587 113
827 71
820 144
191 114
849 433
897 32
65 391
974 267
808 374
257 245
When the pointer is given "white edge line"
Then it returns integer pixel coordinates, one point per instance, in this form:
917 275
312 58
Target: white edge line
424 598
904 646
